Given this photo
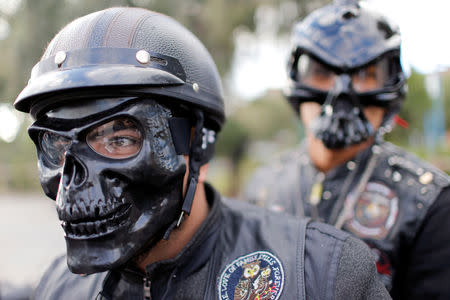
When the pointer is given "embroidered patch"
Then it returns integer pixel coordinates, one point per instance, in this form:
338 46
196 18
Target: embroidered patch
258 275
374 213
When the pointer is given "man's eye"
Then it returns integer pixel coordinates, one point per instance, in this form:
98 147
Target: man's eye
367 74
122 143
368 79
322 71
314 74
117 139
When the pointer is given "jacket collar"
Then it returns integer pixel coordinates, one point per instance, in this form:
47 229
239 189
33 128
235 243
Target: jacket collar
200 246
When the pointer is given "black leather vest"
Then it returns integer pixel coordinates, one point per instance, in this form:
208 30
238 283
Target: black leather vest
381 196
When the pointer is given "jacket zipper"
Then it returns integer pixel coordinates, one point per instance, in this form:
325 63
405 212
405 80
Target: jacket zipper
147 286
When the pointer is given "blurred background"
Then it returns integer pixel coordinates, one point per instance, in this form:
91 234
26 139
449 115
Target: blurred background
249 40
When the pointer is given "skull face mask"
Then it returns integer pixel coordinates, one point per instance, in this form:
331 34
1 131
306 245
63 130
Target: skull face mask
115 173
342 122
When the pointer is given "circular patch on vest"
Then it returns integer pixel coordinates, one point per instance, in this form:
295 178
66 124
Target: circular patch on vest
374 213
258 275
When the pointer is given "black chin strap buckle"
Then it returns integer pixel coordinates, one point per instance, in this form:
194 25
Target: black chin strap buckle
188 200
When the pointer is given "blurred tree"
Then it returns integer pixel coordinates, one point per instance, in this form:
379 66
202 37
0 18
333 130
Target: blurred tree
446 92
253 134
417 102
265 117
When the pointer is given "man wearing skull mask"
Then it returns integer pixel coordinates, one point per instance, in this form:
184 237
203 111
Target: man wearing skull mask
347 84
126 104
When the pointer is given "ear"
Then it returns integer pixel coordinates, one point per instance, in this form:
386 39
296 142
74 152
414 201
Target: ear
203 173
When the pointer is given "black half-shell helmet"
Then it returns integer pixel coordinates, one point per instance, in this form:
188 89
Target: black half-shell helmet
113 52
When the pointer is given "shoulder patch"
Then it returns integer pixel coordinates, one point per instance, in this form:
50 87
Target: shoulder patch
258 275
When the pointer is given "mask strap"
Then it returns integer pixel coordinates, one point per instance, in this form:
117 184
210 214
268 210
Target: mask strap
196 160
180 128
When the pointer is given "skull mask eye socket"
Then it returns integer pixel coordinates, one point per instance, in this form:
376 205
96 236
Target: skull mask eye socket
314 74
371 77
54 147
116 139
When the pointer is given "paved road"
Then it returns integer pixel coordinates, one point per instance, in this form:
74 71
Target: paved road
30 237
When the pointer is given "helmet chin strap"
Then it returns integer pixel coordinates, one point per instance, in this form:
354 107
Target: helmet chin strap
195 162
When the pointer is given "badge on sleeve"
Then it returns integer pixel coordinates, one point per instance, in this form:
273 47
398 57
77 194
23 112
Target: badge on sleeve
374 213
258 275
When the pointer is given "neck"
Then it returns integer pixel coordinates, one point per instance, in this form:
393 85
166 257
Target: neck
179 237
325 159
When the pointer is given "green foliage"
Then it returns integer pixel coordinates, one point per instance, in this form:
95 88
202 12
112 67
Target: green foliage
446 92
417 102
252 134
265 117
232 137
260 120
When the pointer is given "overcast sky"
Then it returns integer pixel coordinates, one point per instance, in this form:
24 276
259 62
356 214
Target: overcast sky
425 29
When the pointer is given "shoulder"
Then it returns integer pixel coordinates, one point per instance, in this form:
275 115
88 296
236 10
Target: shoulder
251 213
281 163
356 276
316 232
424 271
342 263
327 253
281 171
58 281
418 176
320 239
420 170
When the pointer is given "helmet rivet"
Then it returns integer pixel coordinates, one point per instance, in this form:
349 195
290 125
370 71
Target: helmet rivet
143 57
195 87
60 57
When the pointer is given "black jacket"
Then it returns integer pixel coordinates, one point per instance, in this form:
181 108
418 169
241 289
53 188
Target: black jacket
385 196
239 252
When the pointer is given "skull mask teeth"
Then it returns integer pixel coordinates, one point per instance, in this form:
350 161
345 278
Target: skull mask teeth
91 218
